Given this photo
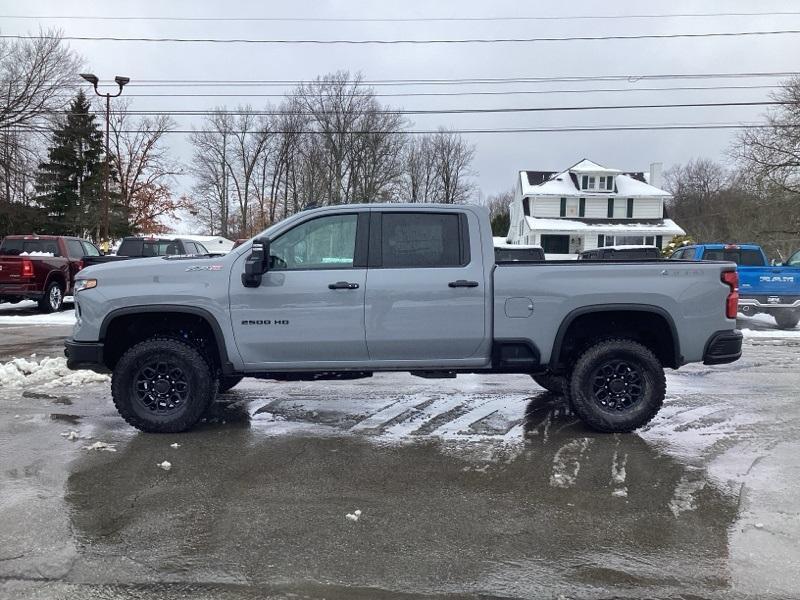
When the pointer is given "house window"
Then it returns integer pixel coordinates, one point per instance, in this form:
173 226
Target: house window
591 182
563 211
610 208
629 240
630 208
649 240
602 184
582 208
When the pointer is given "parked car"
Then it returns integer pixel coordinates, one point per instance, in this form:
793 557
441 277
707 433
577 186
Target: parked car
344 291
773 290
41 268
621 253
144 247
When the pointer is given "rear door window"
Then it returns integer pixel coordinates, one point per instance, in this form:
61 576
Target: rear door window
90 249
422 240
189 248
75 249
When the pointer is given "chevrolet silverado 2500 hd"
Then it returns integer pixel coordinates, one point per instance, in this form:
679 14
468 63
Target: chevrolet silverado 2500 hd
343 292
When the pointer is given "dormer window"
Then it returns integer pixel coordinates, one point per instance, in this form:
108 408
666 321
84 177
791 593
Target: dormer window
595 183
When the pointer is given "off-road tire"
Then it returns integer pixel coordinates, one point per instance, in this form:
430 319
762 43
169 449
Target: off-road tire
227 383
197 374
787 319
644 373
53 298
557 384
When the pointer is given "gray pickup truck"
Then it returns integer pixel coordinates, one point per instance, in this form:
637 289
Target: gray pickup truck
343 292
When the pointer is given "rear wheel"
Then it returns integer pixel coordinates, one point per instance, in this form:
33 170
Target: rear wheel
227 383
787 319
53 298
162 385
617 385
552 383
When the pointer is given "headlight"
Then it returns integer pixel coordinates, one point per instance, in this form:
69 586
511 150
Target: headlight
85 284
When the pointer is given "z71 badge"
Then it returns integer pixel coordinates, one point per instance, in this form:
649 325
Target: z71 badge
204 268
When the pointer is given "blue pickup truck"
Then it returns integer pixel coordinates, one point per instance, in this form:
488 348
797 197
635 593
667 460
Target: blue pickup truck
763 288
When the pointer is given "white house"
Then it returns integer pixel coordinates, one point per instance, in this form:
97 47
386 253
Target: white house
213 243
587 206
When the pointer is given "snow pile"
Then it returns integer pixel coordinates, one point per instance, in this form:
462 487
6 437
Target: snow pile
36 254
48 372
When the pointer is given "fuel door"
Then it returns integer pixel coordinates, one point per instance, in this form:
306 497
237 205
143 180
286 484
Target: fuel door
519 308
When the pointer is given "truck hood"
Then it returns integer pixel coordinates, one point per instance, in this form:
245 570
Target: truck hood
155 264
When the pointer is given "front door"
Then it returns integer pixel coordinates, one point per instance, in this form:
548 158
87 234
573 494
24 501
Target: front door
426 292
309 308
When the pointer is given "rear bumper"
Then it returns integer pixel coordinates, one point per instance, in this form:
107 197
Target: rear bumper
84 355
723 347
20 291
771 301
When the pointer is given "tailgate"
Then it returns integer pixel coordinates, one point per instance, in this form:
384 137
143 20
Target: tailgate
769 280
10 269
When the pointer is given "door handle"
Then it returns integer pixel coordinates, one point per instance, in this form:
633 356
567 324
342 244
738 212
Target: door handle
342 285
463 283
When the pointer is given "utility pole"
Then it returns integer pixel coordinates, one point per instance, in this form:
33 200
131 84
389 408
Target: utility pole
121 82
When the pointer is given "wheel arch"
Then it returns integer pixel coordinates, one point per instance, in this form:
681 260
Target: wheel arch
178 315
669 352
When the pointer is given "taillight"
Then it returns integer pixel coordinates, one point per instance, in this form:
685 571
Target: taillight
732 303
27 268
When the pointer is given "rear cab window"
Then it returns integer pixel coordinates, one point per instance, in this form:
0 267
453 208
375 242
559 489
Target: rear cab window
17 247
743 257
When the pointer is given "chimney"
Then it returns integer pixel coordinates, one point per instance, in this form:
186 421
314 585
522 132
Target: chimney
656 180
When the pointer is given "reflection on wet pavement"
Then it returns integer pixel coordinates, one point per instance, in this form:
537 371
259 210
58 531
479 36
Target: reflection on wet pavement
482 485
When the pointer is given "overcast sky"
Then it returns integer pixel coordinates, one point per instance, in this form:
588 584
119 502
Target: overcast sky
498 156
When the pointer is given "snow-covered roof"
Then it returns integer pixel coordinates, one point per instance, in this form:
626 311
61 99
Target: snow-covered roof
587 166
659 227
562 184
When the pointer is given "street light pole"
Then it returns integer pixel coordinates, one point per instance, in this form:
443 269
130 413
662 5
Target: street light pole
121 82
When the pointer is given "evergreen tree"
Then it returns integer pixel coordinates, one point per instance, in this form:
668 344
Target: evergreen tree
70 184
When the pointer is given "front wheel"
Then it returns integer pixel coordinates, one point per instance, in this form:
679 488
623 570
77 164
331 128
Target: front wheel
52 299
617 385
162 385
787 319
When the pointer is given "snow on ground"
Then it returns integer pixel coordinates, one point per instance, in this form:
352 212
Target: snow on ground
764 326
27 312
46 372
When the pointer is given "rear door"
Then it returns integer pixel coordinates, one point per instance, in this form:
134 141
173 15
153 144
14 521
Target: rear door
309 308
426 292
75 254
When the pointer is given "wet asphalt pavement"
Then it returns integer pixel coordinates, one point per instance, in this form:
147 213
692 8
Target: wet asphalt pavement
475 487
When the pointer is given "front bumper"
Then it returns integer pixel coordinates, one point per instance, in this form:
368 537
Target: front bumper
84 355
723 347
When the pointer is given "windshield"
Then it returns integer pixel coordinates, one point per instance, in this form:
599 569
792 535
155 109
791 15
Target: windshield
794 261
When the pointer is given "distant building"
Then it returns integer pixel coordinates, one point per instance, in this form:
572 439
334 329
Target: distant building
588 206
213 243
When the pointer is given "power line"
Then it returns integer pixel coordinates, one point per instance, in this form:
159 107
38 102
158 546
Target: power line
630 78
404 19
452 111
589 128
580 38
456 94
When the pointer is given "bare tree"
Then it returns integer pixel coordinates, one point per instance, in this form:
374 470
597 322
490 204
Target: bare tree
499 215
210 169
772 153
36 78
419 173
143 167
452 157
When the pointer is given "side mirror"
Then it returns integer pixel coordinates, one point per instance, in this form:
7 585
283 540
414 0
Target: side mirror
257 263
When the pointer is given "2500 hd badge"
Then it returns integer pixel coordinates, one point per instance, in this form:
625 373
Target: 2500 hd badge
266 322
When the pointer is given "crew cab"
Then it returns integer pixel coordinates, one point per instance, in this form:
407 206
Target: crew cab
146 247
345 291
772 290
41 268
